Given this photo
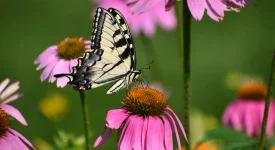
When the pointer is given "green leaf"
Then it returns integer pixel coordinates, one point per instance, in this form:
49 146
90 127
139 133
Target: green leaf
247 145
225 134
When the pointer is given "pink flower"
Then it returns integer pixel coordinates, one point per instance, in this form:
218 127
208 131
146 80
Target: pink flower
61 58
144 122
215 8
146 22
9 138
246 112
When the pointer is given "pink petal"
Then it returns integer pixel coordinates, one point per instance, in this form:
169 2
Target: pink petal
5 143
144 132
167 20
15 141
72 64
213 10
4 84
179 122
14 113
22 138
248 119
9 90
127 137
12 98
62 66
169 5
139 6
46 61
49 51
168 135
47 70
116 117
62 82
196 8
138 132
149 26
101 140
155 134
174 127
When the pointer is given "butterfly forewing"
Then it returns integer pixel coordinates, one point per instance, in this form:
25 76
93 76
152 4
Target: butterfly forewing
112 55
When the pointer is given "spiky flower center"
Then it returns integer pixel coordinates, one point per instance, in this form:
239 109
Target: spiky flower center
145 102
71 48
252 91
4 122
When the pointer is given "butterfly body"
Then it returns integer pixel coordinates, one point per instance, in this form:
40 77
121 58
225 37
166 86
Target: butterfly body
111 57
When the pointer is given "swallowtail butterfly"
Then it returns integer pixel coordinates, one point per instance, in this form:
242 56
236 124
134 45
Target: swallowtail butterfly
111 58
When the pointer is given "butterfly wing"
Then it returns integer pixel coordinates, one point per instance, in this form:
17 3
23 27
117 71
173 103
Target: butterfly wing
110 58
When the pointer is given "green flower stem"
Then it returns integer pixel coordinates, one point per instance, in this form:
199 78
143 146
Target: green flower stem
267 102
151 56
185 38
86 121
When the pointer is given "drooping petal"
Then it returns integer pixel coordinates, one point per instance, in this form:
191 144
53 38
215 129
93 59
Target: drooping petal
73 63
61 82
46 61
22 138
9 90
5 143
14 113
49 51
12 98
102 139
196 8
168 141
116 117
155 134
4 84
127 137
179 122
174 128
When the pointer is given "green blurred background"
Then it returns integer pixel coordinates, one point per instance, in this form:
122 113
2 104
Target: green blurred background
242 42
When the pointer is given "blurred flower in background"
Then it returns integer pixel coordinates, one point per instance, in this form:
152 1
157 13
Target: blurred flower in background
9 138
246 111
234 79
143 23
215 9
63 140
61 58
145 121
203 146
54 106
201 123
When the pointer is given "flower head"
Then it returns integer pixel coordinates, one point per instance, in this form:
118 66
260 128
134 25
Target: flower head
146 22
215 8
9 138
144 122
246 112
61 58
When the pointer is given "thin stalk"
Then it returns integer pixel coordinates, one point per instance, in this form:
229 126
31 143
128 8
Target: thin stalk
151 56
86 121
267 102
185 38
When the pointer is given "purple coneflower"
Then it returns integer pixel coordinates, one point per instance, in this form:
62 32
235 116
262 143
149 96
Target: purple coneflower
9 138
215 8
246 112
61 58
143 23
144 122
